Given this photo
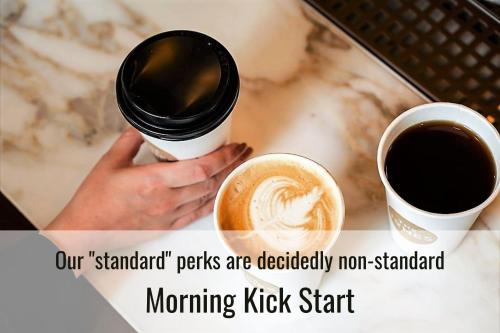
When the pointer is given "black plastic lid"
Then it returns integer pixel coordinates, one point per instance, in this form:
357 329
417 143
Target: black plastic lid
177 85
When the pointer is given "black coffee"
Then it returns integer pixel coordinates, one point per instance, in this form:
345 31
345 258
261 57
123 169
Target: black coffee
440 167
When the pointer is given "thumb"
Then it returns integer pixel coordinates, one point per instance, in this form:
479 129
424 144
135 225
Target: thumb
125 148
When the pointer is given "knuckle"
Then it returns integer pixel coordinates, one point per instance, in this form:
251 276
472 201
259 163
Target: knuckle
156 210
211 185
150 186
201 171
169 204
203 199
161 208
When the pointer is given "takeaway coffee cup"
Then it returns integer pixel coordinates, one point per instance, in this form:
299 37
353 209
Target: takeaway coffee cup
417 229
287 206
178 89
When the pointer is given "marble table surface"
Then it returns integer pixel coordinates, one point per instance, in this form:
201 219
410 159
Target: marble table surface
305 89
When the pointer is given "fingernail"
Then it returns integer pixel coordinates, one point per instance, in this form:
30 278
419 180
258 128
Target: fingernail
249 151
241 147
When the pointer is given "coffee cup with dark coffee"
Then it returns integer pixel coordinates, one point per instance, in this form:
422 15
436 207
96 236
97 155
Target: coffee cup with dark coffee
439 164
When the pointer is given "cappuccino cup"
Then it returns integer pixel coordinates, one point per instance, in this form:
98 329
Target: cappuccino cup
178 88
279 206
416 228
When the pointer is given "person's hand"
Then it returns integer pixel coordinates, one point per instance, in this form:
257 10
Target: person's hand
159 196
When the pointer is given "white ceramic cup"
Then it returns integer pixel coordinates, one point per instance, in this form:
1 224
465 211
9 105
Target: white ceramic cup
414 229
188 149
271 280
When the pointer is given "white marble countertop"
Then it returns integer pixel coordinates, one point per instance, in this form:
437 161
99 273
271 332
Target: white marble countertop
305 89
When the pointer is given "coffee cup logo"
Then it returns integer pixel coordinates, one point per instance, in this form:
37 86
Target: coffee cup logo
410 231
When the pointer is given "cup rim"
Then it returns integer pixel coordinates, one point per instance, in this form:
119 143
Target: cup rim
389 129
295 157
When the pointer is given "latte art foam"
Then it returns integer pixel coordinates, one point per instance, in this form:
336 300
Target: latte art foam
285 216
273 204
278 206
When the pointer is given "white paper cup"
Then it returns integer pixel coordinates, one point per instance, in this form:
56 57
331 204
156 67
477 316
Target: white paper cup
271 280
414 229
187 149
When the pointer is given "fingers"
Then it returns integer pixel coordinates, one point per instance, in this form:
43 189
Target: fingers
191 206
192 200
125 148
210 186
182 173
193 216
193 211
